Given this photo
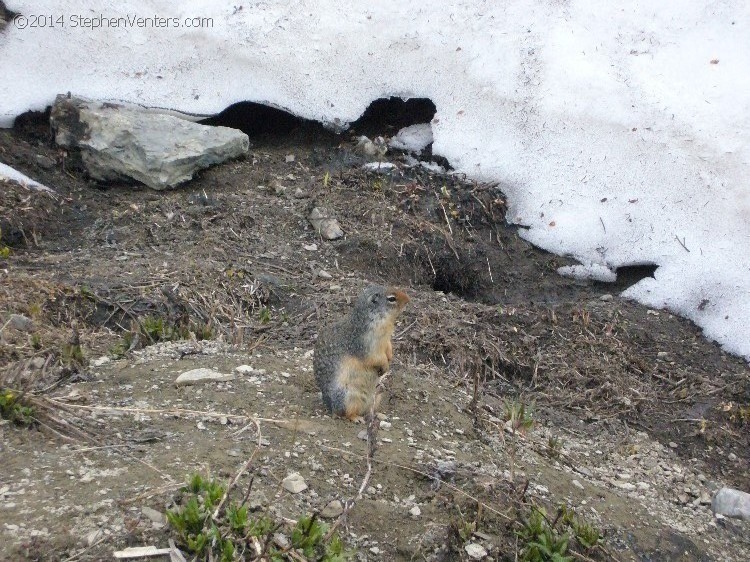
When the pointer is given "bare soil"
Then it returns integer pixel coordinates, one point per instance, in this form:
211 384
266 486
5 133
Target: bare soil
638 418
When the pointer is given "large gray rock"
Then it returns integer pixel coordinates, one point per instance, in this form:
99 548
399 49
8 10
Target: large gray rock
732 503
123 141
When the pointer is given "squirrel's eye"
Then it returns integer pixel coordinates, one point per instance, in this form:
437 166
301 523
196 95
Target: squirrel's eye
391 298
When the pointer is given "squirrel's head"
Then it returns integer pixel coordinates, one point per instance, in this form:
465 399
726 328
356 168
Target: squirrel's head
380 303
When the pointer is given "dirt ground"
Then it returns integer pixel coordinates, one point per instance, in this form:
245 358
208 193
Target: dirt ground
638 419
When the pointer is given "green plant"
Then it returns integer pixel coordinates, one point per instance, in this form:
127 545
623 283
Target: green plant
36 341
540 541
72 354
518 418
14 409
224 536
5 251
554 447
586 534
264 315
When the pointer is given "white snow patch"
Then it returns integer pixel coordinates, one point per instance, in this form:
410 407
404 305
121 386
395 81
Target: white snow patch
379 166
592 271
414 138
433 167
11 174
620 132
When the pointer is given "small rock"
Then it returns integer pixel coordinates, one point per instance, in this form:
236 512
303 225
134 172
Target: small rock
281 540
385 426
446 468
249 370
673 445
323 274
257 500
362 435
45 162
662 354
233 452
683 498
475 551
577 484
732 457
369 148
154 515
375 550
202 375
103 360
323 221
299 193
310 247
627 486
93 536
294 483
606 297
21 323
37 363
289 158
732 503
415 511
332 510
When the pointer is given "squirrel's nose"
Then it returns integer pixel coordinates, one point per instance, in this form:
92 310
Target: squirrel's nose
401 297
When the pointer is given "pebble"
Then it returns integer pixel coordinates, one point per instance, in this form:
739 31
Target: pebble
627 486
385 426
673 445
289 158
294 483
323 274
103 360
606 297
325 224
332 510
45 162
310 247
577 484
249 370
362 435
37 362
21 323
475 551
93 536
155 516
415 511
201 375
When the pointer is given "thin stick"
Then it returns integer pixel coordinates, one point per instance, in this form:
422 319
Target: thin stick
240 472
371 445
447 221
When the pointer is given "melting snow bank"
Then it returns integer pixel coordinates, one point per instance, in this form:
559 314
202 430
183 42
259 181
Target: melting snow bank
620 131
10 174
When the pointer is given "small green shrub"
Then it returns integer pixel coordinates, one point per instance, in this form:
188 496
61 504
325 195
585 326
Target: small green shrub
13 408
226 539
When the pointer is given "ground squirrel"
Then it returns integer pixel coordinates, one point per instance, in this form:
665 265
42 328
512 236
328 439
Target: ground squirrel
352 354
